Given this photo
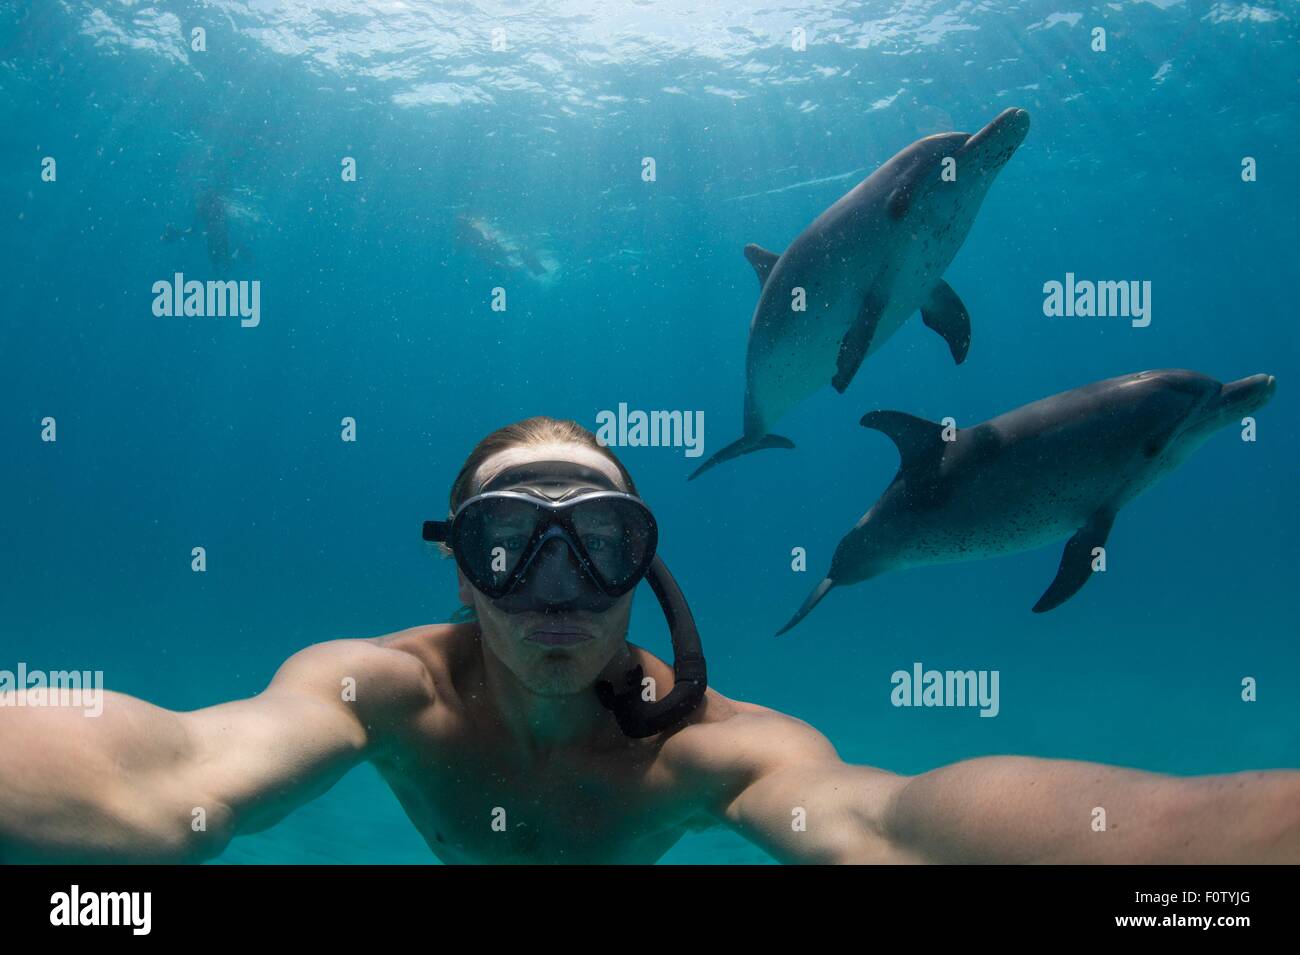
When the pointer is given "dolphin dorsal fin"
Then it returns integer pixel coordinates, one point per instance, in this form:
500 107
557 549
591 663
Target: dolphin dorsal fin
762 261
920 442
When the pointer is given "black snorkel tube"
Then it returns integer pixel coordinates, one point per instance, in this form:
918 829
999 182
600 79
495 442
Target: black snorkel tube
640 718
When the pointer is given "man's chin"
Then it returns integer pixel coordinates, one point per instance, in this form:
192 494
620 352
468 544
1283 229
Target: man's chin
559 678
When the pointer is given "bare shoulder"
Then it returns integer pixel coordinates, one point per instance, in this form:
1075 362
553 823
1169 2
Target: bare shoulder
723 728
393 673
438 648
728 745
737 740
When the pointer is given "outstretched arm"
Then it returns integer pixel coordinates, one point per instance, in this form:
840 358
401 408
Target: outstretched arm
781 784
1017 809
129 785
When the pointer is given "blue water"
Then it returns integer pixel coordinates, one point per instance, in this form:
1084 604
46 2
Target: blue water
174 432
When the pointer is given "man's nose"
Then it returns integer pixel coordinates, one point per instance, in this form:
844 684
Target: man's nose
555 574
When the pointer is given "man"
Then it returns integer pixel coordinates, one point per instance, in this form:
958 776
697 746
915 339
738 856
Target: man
492 738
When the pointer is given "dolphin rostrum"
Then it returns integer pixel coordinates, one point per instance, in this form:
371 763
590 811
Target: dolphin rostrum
864 266
1062 465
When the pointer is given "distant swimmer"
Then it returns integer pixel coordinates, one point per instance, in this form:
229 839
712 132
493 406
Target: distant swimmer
496 248
864 266
212 220
532 262
1062 465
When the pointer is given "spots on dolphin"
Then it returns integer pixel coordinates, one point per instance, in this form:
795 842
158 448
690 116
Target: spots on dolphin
1001 158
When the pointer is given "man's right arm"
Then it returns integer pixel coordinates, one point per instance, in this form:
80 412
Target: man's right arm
134 783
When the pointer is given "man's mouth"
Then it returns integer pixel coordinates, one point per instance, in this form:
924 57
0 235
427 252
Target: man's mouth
557 635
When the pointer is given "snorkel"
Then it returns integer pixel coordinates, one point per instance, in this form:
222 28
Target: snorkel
499 537
638 718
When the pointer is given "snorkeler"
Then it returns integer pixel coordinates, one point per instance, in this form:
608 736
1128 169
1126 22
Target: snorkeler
212 220
538 733
496 249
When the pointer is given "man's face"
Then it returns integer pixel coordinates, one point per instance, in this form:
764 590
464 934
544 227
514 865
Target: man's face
555 653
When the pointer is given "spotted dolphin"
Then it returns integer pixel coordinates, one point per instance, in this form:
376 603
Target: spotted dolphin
1062 465
864 266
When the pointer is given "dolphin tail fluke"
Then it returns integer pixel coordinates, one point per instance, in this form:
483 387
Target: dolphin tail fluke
814 598
743 446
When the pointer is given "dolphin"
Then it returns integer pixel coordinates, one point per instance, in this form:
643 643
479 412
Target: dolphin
866 265
1062 465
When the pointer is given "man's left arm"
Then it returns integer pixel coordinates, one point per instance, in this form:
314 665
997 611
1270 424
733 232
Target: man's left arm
1018 809
780 783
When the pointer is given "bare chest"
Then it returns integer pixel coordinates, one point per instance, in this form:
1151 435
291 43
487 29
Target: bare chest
475 806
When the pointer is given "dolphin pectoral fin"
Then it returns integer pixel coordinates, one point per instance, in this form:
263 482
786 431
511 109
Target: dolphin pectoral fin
920 443
742 446
814 598
1076 561
762 260
856 342
945 313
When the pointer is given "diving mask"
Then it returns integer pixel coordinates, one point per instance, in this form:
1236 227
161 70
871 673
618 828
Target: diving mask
512 538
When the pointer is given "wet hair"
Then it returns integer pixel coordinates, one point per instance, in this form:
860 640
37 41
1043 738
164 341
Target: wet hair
530 431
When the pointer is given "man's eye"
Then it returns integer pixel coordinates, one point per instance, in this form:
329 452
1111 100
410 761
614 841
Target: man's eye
513 542
595 543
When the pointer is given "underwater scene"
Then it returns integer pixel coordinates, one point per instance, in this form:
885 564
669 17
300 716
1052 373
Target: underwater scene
908 319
